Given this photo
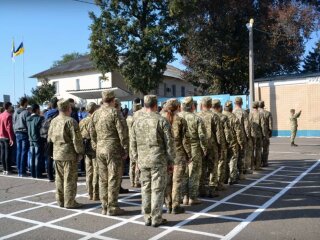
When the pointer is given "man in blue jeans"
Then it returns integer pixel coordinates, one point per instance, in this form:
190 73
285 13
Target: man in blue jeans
21 131
34 123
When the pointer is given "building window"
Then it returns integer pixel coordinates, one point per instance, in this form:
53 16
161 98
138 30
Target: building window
183 91
77 84
56 86
164 90
173 90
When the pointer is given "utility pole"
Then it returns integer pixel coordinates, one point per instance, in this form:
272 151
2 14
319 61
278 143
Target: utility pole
251 61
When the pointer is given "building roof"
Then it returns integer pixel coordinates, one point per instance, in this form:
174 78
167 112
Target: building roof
84 63
288 77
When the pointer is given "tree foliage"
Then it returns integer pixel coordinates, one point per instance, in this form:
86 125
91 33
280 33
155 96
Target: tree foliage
311 63
42 93
67 58
215 39
135 37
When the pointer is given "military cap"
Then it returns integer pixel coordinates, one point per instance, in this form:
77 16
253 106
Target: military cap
91 106
117 102
188 101
172 103
228 104
108 94
63 104
255 104
238 100
150 99
261 104
216 103
136 107
206 101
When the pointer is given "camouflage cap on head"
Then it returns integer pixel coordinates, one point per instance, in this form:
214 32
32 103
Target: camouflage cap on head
117 103
63 104
108 94
228 104
206 101
188 101
172 103
255 104
91 106
261 104
150 99
238 100
216 103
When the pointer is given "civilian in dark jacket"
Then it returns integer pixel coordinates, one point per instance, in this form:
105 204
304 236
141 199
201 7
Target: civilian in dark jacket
34 123
74 113
6 137
21 131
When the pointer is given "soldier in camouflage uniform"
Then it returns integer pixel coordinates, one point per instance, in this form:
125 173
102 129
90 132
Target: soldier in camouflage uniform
268 129
134 172
123 121
111 143
257 133
183 154
65 135
294 125
244 162
235 139
210 163
152 148
199 144
92 170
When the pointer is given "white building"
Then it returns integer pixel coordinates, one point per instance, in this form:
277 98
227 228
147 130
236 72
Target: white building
80 80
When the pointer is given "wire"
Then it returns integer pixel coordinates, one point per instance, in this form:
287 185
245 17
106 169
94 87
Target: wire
81 1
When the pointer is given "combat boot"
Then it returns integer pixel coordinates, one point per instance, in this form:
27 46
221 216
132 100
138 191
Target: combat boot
96 198
75 205
137 185
185 200
123 190
231 182
90 197
221 187
213 193
169 210
248 171
163 222
242 177
178 210
104 212
194 201
115 212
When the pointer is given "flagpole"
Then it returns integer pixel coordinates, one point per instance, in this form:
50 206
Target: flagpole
14 82
24 84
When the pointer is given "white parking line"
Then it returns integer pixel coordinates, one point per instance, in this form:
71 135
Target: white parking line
275 181
231 203
264 187
255 195
257 212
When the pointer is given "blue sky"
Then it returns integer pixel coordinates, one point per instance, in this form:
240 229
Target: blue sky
48 29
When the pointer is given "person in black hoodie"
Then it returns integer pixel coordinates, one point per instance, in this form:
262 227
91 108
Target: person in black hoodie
34 123
21 131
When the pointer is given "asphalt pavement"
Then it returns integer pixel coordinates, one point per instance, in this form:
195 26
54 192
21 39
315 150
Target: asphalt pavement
280 202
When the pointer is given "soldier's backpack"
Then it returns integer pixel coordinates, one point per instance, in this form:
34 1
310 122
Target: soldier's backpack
44 134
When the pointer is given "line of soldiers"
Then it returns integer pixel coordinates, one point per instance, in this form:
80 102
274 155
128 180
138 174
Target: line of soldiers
176 155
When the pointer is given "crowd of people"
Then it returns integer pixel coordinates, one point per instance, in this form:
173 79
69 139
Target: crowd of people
177 155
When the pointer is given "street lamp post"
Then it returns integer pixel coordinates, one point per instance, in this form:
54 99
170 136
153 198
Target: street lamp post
251 67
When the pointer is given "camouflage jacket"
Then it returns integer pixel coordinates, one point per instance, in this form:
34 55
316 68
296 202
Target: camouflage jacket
151 141
222 125
268 121
258 129
212 125
85 125
243 118
107 131
236 133
65 135
294 120
197 131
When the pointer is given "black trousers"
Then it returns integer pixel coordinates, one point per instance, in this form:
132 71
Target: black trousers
5 154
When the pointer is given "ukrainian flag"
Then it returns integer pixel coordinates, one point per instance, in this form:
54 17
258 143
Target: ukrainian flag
20 50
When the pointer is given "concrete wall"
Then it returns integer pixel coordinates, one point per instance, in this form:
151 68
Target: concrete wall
300 94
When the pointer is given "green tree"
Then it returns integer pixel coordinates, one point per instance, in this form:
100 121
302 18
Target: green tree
215 39
135 37
312 60
42 93
67 58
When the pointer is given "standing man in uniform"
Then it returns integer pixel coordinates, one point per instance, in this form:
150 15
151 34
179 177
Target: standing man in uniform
210 163
268 129
111 143
199 147
92 169
65 135
294 125
235 139
152 148
243 118
257 134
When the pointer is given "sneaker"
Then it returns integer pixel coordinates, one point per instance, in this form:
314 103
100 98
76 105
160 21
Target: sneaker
178 210
115 212
163 222
75 206
194 201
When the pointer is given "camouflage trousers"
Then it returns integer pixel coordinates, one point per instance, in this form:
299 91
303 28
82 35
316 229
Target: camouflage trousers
257 147
222 165
293 134
134 174
190 187
174 186
66 182
153 185
232 159
209 172
249 151
92 176
109 181
265 150
241 159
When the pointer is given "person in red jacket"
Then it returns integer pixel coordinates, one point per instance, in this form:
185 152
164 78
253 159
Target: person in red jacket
6 137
